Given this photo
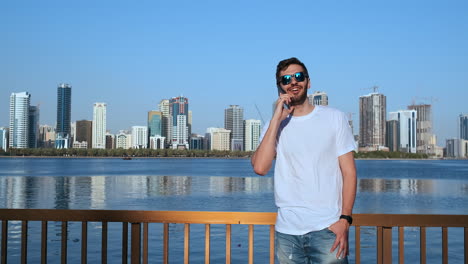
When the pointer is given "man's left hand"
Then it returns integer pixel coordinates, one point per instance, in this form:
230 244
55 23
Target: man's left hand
340 228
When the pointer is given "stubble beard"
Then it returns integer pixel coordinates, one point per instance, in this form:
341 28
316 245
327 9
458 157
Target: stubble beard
301 99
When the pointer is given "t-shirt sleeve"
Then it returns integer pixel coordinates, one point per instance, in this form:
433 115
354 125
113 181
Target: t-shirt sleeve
345 139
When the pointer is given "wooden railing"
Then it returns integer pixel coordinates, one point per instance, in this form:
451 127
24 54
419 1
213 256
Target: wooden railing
139 221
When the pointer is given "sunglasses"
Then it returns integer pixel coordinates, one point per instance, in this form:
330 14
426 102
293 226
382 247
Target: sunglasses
299 76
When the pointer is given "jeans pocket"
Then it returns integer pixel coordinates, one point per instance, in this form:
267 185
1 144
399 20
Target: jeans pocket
330 232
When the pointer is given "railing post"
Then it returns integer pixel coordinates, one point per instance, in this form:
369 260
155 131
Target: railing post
136 243
4 241
384 245
387 245
24 242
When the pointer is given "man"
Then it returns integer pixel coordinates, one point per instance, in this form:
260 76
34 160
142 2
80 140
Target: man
315 174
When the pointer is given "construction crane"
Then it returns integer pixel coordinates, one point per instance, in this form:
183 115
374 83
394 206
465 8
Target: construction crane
374 88
430 99
259 113
350 120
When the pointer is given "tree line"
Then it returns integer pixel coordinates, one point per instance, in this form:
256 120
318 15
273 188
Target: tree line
176 153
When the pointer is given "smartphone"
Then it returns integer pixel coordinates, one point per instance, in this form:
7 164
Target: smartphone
280 91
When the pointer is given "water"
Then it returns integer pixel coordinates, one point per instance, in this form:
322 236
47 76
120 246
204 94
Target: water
384 186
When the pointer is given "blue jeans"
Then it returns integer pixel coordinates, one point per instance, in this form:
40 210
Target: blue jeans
313 247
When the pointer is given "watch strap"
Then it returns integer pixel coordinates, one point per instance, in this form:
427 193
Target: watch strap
347 218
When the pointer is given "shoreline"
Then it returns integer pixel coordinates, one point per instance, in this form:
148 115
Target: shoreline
132 158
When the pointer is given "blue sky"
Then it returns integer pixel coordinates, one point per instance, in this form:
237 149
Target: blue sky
132 54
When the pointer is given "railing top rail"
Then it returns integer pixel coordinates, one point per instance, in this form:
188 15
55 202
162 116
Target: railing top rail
426 220
201 217
257 218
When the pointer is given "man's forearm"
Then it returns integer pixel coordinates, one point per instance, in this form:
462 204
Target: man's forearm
348 170
349 195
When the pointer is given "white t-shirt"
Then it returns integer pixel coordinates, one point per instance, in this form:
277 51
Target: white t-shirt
308 180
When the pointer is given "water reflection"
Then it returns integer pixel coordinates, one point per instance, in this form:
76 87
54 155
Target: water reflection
104 192
414 186
216 193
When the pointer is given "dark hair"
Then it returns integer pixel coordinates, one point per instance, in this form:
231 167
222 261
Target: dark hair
282 65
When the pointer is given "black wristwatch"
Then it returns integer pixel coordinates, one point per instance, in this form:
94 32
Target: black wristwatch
347 218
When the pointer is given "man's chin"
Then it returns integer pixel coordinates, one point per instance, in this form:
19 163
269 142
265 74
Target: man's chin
297 102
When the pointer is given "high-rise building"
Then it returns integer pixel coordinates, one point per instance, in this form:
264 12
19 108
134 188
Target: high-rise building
19 120
99 125
234 121
407 126
393 135
318 98
372 122
463 123
166 121
179 113
84 132
252 130
139 137
425 138
63 129
3 138
189 122
155 123
33 134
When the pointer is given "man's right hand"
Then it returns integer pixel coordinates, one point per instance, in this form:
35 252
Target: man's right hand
280 111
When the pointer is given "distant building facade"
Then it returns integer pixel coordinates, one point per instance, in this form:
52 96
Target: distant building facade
123 140
63 128
46 136
179 109
463 126
393 135
372 122
99 125
19 120
318 98
252 130
157 142
139 137
407 120
189 122
155 123
196 142
220 139
456 148
80 145
33 133
84 132
3 138
217 138
110 141
234 121
425 138
166 120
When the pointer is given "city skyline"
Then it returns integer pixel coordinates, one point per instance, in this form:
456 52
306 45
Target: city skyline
125 55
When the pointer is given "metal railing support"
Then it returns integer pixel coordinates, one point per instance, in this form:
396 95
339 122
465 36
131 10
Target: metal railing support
136 243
